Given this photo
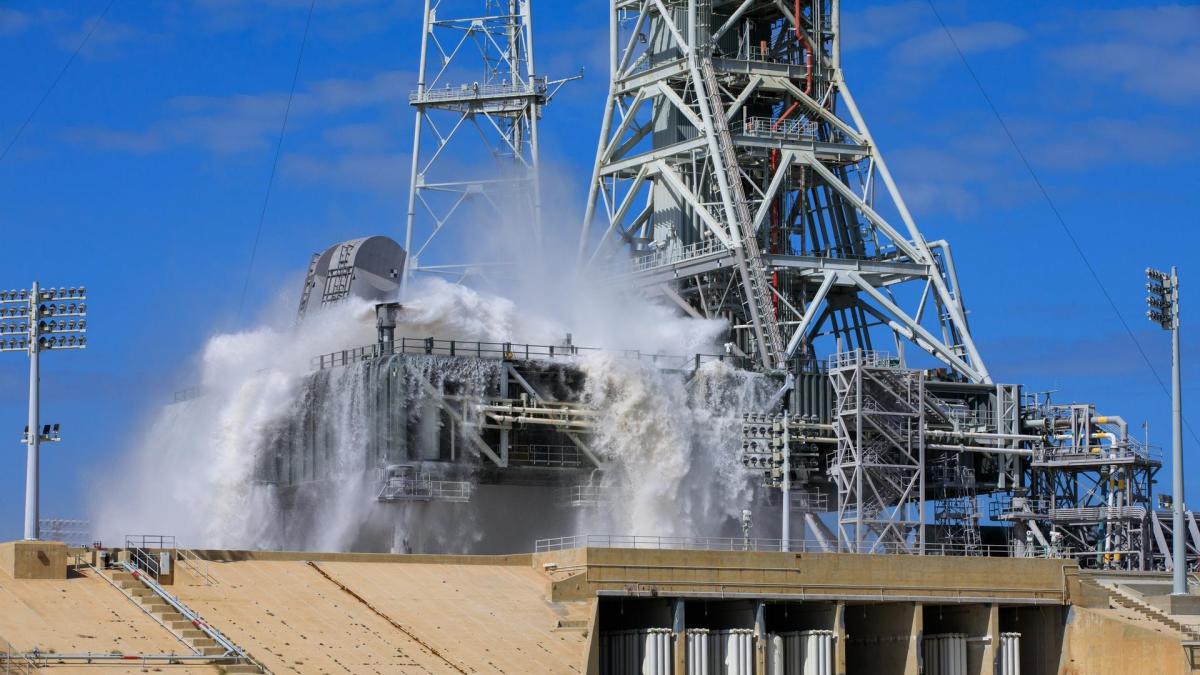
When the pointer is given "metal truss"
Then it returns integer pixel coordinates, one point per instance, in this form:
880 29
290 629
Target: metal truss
737 173
879 464
478 96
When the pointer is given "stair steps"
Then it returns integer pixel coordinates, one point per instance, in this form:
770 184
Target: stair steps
1124 599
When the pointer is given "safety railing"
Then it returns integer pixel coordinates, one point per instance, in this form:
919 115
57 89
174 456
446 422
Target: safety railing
862 357
813 502
142 549
584 495
197 566
535 87
508 351
672 255
545 455
13 662
420 487
1003 507
796 129
232 651
766 545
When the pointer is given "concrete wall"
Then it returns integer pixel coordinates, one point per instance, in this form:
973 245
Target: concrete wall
812 576
1097 642
34 559
883 639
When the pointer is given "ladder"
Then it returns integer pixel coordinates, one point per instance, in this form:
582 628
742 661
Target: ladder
310 280
338 280
759 293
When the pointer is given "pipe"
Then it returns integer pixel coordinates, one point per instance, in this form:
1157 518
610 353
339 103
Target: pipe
980 448
808 50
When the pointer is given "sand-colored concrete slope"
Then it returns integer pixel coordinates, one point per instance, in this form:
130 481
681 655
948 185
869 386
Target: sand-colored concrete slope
392 617
80 614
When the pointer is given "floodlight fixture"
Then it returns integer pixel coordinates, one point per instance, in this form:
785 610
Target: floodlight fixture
1164 311
21 320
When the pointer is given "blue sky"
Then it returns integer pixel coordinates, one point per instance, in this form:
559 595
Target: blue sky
143 175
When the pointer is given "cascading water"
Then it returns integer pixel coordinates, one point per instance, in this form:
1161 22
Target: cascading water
671 447
275 455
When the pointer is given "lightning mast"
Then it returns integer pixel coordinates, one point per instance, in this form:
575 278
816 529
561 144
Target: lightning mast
475 143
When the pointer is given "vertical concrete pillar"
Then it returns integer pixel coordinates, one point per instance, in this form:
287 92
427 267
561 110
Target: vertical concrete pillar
679 628
916 632
839 638
760 638
991 648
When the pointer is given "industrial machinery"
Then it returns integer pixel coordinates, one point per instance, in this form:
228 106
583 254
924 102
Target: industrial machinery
735 178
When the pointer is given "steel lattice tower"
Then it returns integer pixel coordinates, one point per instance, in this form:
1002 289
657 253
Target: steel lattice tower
478 96
736 170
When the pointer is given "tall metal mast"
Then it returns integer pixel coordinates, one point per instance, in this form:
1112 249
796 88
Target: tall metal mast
477 93
738 178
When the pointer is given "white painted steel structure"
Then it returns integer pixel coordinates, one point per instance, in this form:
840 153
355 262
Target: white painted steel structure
475 143
736 176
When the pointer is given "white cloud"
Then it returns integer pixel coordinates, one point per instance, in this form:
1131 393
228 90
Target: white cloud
881 25
246 122
376 172
13 22
105 41
935 45
1149 51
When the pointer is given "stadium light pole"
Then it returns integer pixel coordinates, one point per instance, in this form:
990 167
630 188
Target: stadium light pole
1164 311
33 321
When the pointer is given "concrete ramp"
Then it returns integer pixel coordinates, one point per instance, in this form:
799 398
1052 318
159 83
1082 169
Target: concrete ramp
394 617
80 614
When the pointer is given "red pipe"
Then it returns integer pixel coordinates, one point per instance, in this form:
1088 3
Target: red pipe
808 50
776 237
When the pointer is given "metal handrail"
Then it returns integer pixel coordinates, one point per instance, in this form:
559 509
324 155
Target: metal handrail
799 128
670 255
197 565
536 86
231 649
13 662
506 351
758 544
863 357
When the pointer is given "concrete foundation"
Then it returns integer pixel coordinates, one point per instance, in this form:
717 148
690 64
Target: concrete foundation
34 559
545 613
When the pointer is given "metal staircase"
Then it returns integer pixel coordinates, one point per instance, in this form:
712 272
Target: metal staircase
758 293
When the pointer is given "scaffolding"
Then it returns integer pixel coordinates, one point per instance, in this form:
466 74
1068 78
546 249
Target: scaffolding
878 466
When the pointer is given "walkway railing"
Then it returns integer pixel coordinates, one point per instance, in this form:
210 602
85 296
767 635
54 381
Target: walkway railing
509 351
14 663
759 544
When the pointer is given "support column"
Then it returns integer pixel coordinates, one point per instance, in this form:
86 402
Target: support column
679 628
839 639
991 648
912 661
760 638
